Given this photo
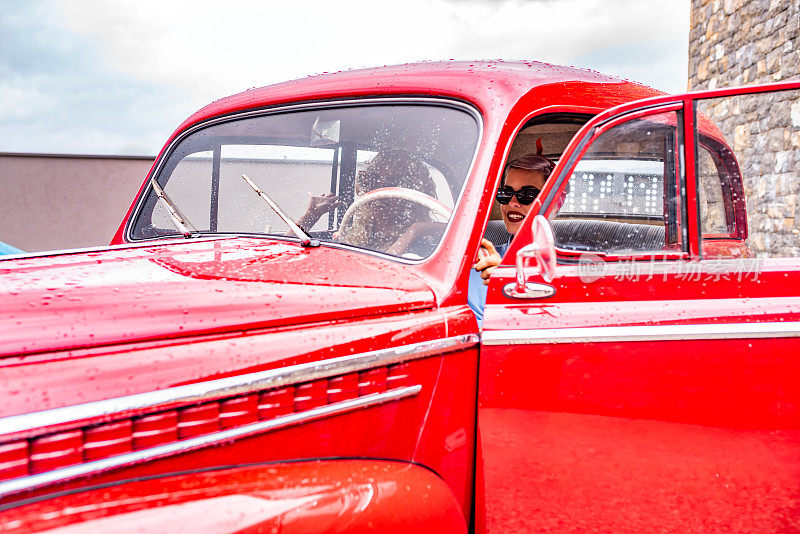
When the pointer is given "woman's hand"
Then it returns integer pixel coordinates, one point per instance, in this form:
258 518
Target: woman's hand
322 204
318 205
487 260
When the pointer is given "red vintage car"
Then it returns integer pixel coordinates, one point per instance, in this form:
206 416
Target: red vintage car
266 346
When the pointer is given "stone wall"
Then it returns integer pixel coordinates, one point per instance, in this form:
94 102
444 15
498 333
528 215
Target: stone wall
744 42
741 42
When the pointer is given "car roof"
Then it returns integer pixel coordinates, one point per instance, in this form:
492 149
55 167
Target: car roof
482 83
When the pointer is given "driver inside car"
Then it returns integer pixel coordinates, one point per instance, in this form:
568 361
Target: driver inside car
392 225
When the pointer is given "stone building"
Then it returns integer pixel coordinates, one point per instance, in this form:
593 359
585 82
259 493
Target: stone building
743 42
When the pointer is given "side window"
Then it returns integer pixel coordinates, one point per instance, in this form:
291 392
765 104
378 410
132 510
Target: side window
750 150
712 199
622 197
549 132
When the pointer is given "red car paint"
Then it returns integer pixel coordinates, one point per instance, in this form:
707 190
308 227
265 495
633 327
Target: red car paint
342 496
354 379
283 277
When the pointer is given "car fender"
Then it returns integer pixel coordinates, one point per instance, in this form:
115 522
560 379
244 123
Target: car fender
309 496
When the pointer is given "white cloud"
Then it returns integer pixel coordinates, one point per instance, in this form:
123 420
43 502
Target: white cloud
115 77
20 100
196 46
559 31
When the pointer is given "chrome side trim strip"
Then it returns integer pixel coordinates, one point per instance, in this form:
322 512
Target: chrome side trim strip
672 332
121 407
153 453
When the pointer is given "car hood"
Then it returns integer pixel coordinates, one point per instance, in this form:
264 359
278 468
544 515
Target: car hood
126 294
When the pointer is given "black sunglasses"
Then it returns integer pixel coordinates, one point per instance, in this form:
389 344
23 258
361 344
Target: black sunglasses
525 196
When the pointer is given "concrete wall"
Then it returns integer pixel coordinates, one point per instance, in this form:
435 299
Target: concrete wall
63 201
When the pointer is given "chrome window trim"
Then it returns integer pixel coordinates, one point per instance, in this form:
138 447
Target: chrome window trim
23 425
367 101
161 451
673 332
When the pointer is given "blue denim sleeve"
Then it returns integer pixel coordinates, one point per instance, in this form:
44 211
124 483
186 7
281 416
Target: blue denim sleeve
476 294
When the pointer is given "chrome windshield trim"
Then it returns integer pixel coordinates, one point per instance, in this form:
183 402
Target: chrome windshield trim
673 332
152 453
120 407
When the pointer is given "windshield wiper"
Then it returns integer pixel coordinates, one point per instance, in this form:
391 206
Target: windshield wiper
305 239
178 219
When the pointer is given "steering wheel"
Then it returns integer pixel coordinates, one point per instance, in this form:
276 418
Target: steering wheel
412 195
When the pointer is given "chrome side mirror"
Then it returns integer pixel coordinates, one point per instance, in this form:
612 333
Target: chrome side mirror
543 250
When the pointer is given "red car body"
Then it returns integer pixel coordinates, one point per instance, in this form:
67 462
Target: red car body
235 383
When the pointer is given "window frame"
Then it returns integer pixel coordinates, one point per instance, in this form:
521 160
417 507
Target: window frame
588 135
724 170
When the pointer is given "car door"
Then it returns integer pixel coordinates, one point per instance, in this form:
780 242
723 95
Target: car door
654 383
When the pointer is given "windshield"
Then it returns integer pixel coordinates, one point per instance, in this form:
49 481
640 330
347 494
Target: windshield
382 177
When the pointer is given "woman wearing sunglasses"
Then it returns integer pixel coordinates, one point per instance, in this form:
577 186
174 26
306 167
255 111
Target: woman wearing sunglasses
523 179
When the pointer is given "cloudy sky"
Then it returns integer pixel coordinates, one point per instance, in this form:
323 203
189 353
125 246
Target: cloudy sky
117 76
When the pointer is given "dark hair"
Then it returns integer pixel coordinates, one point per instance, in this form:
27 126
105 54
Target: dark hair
532 162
